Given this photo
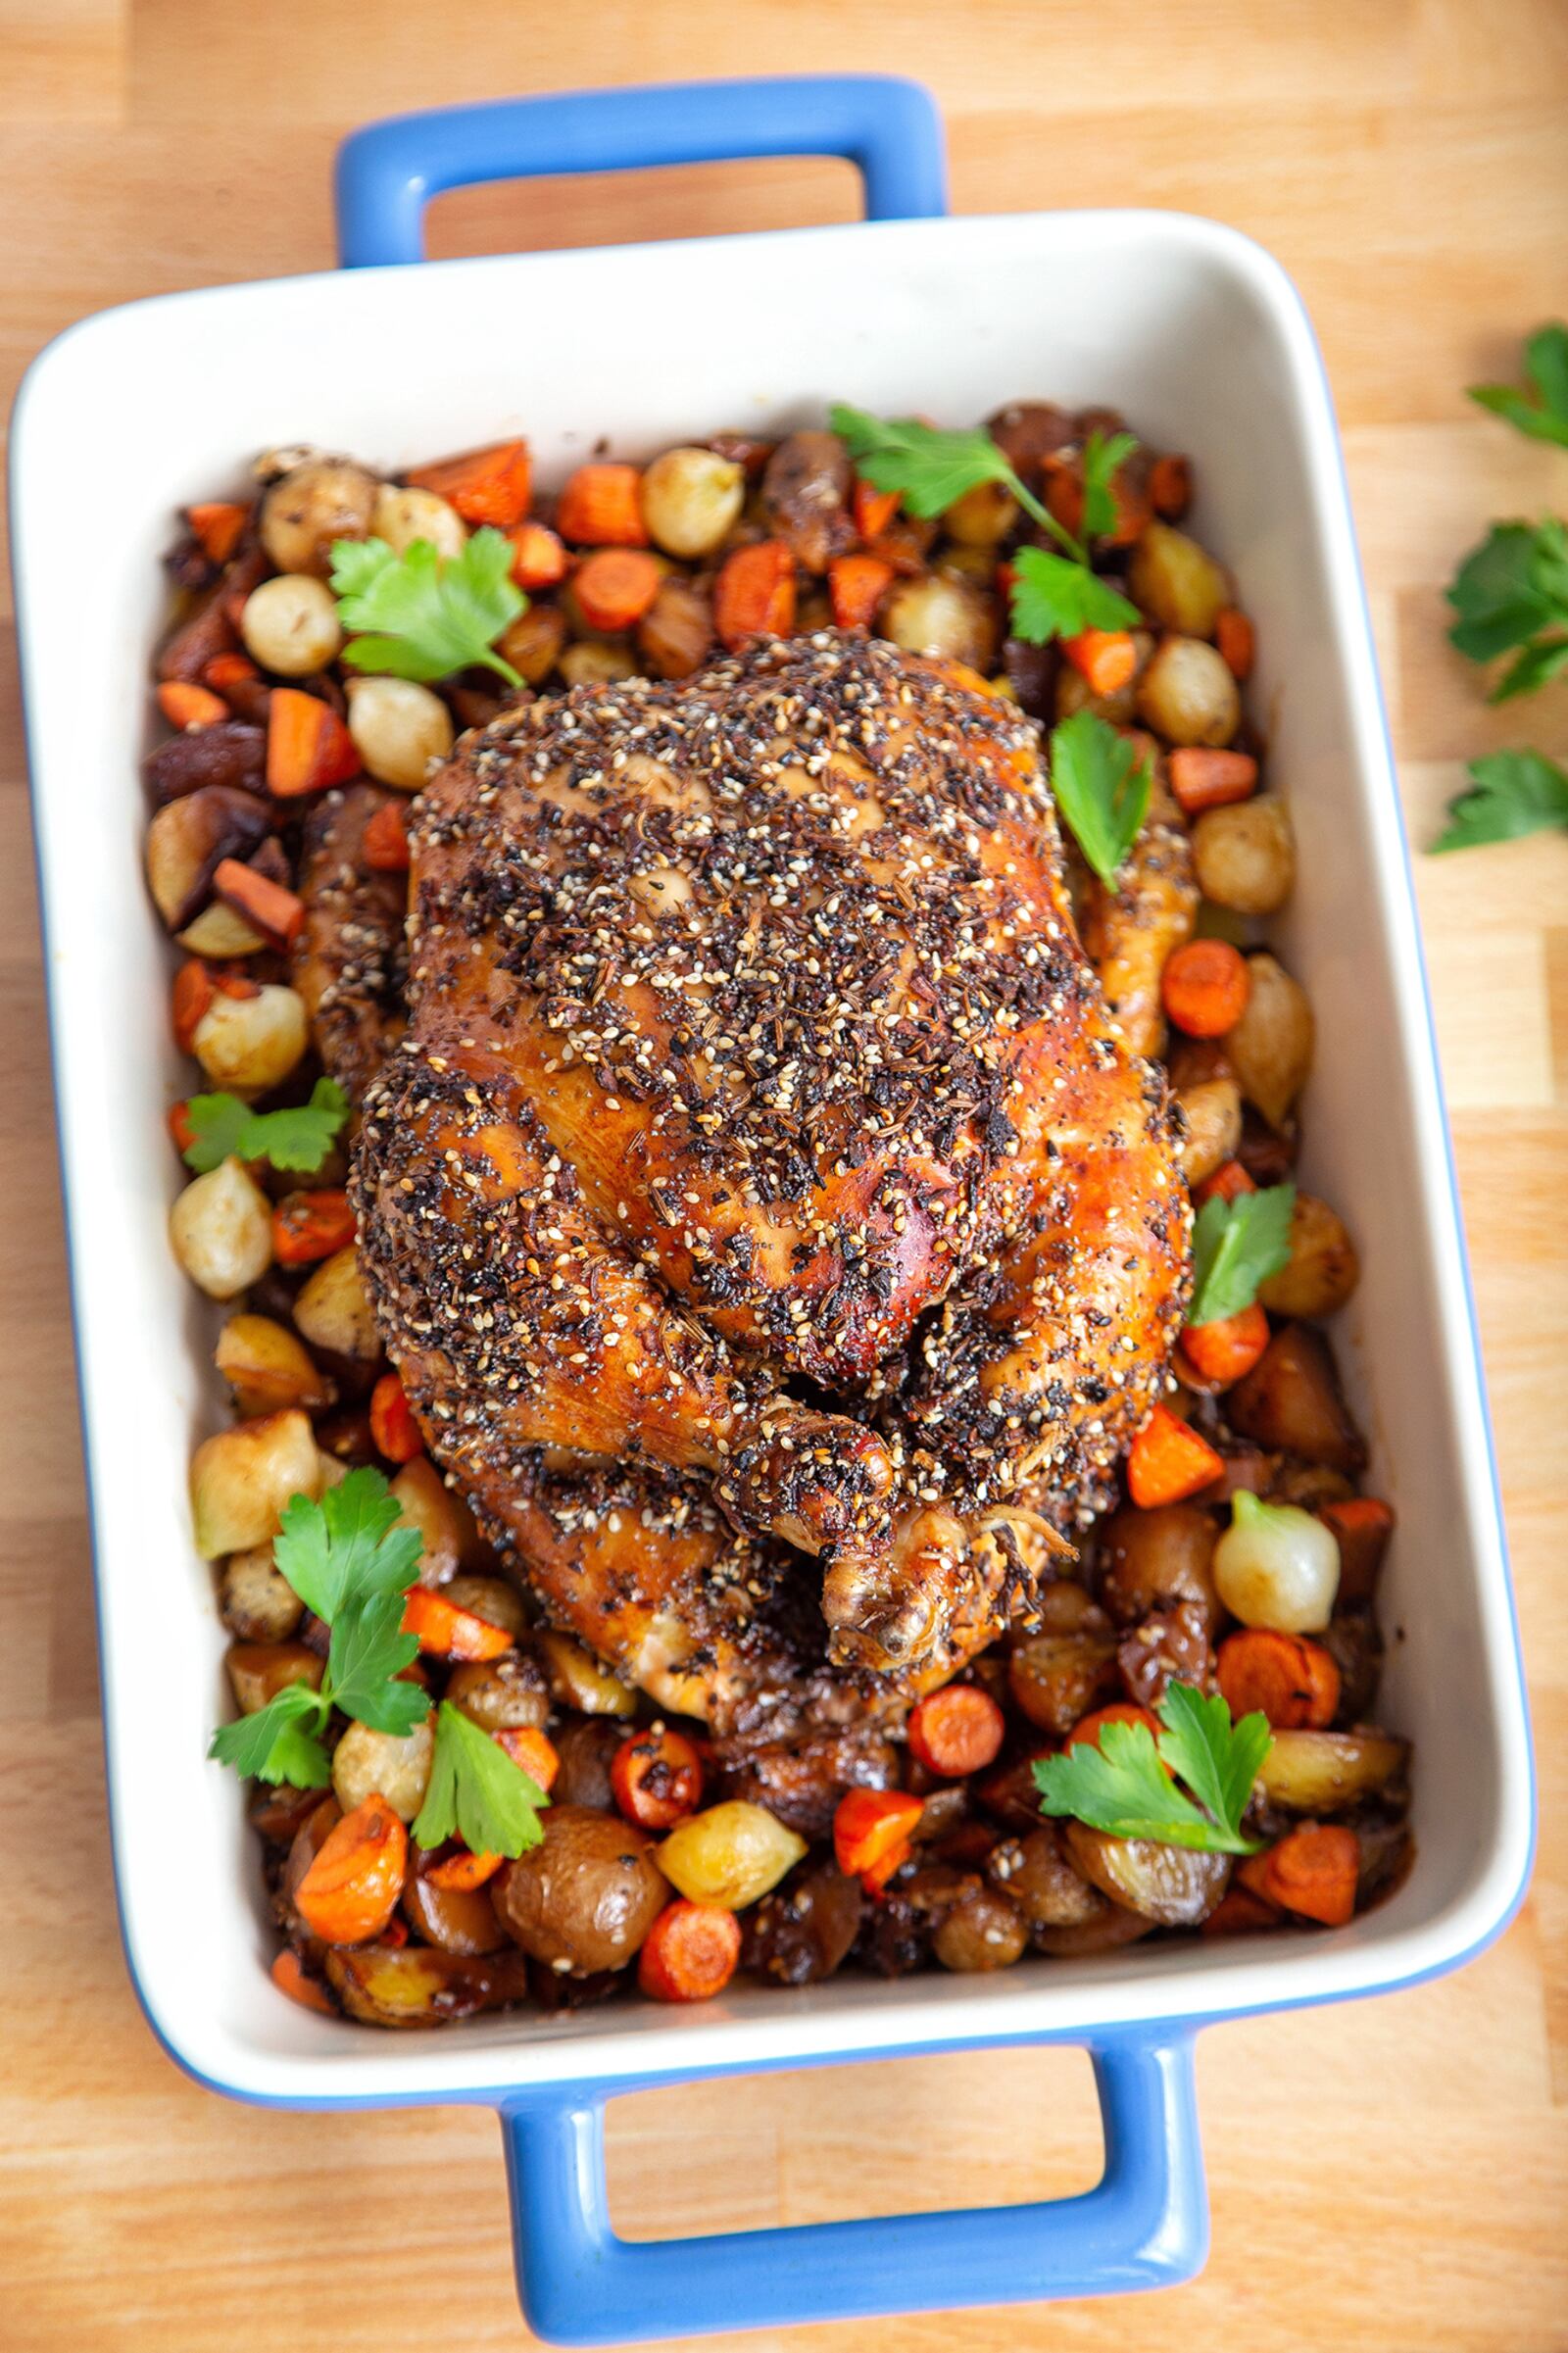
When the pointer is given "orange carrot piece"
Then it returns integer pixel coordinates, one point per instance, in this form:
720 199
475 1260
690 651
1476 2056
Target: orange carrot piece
308 746
1226 1349
385 840
1063 479
463 1871
869 1825
190 708
486 486
532 1751
1237 642
288 1975
690 1953
1312 1871
230 983
1228 1180
308 1226
538 556
656 1777
1170 487
226 670
855 587
351 1891
956 1730
179 1126
1204 987
447 1632
218 527
601 507
1362 1526
873 509
1294 1681
753 595
1168 1462
1239 1913
1204 779
276 912
613 587
392 1424
1119 1711
188 999
1105 658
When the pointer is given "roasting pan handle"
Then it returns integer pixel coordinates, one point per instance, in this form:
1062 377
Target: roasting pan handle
888 127
1145 2225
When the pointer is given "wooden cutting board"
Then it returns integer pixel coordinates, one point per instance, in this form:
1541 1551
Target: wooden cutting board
1385 2177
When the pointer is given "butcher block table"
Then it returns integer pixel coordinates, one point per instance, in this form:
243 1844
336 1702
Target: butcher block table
1386 2176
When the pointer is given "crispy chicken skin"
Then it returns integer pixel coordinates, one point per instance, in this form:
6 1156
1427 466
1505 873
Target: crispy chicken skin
751 1044
348 962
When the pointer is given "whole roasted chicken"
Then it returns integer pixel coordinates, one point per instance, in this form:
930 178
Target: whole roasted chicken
762 1176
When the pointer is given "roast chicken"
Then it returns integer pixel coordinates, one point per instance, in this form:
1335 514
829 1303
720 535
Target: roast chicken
778 1241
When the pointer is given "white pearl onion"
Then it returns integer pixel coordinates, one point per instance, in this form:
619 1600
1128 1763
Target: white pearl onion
290 625
1277 1566
401 517
399 727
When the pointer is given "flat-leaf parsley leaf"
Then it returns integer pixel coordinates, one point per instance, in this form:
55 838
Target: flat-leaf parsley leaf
1236 1245
476 1794
1544 417
1122 1786
298 1138
423 614
1512 597
1102 787
1510 793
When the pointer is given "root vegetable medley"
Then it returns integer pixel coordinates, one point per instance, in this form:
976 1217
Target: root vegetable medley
781 1421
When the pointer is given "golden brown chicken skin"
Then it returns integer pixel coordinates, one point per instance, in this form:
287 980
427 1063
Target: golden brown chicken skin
751 1043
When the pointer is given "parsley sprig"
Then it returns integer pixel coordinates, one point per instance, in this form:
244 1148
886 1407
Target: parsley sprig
1236 1245
1543 411
1512 597
1052 594
297 1139
426 616
1122 1786
1102 786
1509 794
351 1561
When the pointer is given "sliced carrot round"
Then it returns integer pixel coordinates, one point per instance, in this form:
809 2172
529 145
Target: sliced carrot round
351 1891
290 1974
1118 1711
447 1632
690 1953
1226 1349
308 1226
656 1777
613 587
1294 1683
1204 987
957 1729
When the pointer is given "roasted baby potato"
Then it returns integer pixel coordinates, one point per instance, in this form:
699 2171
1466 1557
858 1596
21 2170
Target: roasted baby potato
256 1601
1057 1678
419 1985
1036 1873
268 1368
1290 1401
1270 1049
1149 1557
586 1896
1212 1109
1186 694
1177 583
242 1478
729 1854
1246 855
1324 1269
258 1671
334 1310
316 502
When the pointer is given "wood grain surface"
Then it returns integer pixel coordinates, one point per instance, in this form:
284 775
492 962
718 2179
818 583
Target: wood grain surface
1385 2177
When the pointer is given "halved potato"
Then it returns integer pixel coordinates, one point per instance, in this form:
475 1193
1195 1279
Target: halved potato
1323 1269
258 1671
268 1368
333 1309
254 1598
1324 1772
442 1517
1291 1400
367 1763
1057 1678
241 1478
417 1986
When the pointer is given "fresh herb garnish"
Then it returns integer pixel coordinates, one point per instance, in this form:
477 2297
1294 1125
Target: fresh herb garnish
1544 417
1511 596
1052 597
1509 794
349 1561
476 1794
297 1139
1122 1786
427 615
1236 1245
1102 787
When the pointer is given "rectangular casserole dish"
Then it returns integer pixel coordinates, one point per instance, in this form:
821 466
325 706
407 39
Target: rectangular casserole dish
1200 338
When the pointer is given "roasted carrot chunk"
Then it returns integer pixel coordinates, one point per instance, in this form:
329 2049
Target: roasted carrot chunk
1170 487
855 587
1204 779
276 912
447 1632
1228 1180
1294 1682
463 1871
872 1828
288 1975
538 556
656 1777
385 840
179 1126
188 999
1312 1872
1119 1711
308 746
873 509
1239 1913
956 1730
218 527
486 486
190 706
1362 1526
690 1953
1204 987
1105 659
308 1226
753 595
1168 1462
532 1751
392 1425
613 587
1226 1349
351 1891
1238 646
226 670
601 507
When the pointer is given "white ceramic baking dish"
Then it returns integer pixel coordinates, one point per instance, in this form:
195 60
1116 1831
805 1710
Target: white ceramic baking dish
1200 338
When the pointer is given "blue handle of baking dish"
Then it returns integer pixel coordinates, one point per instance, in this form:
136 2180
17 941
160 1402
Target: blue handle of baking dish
888 127
1146 2225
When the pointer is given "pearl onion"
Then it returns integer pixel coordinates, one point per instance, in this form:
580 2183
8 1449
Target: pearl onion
399 728
290 625
401 517
1277 1566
